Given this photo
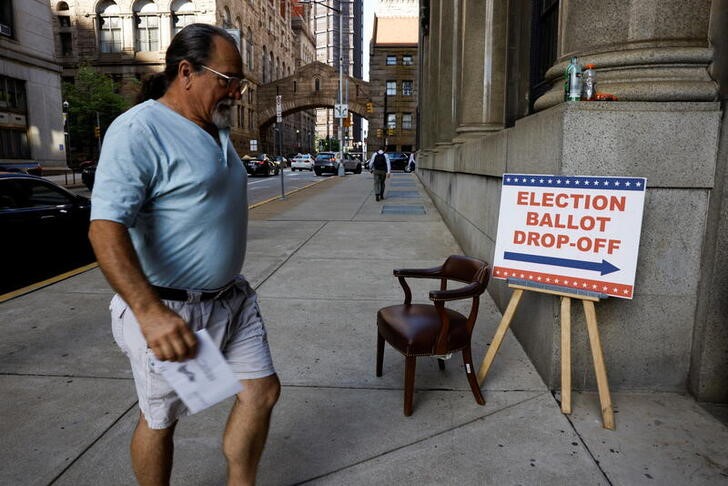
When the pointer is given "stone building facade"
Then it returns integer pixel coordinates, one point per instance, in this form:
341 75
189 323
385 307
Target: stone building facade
127 39
393 84
31 119
492 102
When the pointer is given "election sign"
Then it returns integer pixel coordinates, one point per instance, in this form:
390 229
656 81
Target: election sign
577 232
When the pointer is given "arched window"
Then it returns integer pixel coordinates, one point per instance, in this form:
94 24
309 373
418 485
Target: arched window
271 67
227 22
264 64
316 84
109 25
146 26
183 14
249 49
61 6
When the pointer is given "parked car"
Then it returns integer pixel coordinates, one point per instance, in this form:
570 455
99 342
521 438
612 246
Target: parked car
260 165
398 160
88 173
281 161
44 230
302 162
329 162
32 168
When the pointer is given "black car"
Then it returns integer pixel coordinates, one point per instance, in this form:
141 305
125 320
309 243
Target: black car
88 173
32 168
260 165
44 230
398 160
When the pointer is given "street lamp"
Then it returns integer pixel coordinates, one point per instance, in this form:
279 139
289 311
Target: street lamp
341 75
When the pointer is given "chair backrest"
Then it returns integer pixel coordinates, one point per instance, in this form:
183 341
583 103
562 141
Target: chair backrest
467 270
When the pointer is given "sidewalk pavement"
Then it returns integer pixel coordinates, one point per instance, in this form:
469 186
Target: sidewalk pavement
322 263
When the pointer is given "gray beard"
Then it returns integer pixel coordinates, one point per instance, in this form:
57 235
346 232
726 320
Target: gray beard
221 115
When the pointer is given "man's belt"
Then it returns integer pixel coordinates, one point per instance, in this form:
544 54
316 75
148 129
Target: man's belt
166 293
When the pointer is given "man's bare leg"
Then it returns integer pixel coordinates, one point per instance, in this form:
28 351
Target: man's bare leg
247 428
151 454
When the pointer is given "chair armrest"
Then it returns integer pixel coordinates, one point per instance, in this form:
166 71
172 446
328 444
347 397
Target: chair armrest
434 272
471 290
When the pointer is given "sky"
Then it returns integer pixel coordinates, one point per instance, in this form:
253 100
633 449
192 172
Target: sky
367 35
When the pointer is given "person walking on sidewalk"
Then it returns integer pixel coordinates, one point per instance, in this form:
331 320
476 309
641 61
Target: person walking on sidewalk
411 163
169 228
379 166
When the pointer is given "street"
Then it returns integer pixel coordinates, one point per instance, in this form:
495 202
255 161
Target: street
260 189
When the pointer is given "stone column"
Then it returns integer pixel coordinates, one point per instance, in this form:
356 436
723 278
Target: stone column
428 100
483 43
447 69
644 50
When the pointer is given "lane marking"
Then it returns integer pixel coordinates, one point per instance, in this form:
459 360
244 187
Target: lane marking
45 283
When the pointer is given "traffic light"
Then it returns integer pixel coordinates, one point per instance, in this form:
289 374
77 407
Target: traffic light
347 122
97 132
379 132
390 131
370 107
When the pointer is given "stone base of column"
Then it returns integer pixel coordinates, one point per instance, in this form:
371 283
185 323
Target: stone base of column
650 74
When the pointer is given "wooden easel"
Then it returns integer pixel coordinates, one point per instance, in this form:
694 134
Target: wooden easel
587 300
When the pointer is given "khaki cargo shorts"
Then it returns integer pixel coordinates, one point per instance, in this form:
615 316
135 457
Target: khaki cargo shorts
235 325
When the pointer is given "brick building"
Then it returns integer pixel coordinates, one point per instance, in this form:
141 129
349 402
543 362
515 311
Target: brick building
127 39
393 81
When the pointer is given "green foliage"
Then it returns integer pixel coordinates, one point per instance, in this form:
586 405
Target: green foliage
328 144
91 93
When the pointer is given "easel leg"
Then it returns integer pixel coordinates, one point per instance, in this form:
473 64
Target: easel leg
499 334
565 354
599 368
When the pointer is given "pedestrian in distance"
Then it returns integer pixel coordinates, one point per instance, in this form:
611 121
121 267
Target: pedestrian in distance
169 228
379 166
411 163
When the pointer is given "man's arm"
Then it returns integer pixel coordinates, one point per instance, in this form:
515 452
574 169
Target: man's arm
166 332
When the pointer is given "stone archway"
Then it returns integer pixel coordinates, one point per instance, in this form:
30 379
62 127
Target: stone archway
314 85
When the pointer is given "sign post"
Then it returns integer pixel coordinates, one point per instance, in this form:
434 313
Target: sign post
574 237
278 135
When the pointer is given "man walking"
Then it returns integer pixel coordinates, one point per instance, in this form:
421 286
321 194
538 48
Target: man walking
379 166
169 228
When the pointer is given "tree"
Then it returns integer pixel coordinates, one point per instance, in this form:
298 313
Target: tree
91 93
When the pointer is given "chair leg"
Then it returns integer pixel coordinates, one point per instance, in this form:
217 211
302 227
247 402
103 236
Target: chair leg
472 379
380 353
441 363
409 383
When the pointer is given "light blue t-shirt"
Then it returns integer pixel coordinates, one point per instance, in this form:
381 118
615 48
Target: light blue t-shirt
182 196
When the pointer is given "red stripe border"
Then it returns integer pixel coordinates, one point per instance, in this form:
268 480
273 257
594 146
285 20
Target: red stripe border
565 281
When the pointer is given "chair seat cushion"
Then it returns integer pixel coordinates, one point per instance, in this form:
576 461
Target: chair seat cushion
413 329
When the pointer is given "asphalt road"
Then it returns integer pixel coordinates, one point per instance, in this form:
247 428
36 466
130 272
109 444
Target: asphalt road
260 189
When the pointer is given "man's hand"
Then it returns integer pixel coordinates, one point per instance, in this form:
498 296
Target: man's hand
167 334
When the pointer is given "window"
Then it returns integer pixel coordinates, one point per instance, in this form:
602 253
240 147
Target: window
391 88
391 120
391 60
249 49
146 26
407 121
544 35
6 18
14 135
66 44
109 27
64 20
407 60
407 88
183 14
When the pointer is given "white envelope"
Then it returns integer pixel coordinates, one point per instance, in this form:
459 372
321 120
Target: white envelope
203 380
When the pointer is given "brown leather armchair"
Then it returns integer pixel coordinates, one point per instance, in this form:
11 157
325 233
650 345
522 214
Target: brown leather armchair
433 330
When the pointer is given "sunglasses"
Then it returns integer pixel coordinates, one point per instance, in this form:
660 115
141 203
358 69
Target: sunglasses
232 83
